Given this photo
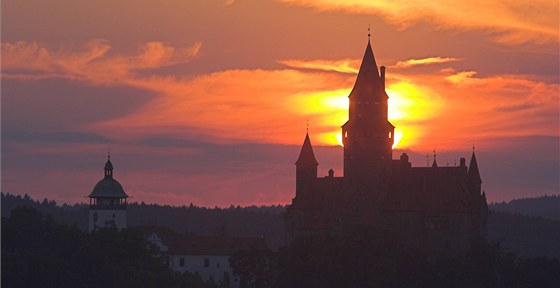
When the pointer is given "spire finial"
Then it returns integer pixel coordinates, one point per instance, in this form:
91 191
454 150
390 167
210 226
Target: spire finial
307 128
108 152
368 32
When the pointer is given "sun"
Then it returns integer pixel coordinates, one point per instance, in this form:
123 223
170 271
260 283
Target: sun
397 138
339 138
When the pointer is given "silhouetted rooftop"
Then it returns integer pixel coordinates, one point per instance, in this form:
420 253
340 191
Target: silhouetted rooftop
306 156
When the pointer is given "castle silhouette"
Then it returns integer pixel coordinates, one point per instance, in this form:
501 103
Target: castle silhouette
436 209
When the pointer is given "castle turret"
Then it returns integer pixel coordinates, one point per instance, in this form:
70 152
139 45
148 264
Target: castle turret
107 202
306 167
473 176
368 135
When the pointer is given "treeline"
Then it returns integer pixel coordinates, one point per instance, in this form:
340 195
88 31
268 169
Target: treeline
39 252
547 207
522 235
235 221
373 258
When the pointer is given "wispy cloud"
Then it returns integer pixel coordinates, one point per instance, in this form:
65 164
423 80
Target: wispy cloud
424 61
93 63
461 78
513 22
343 66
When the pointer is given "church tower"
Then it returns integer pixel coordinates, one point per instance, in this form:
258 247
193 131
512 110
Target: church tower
306 167
368 135
107 202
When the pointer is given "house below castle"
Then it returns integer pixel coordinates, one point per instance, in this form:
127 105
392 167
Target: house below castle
206 256
436 209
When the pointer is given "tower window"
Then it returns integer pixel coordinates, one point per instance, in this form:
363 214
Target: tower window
206 262
181 262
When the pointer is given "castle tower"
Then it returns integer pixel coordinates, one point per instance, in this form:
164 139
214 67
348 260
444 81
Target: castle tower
107 202
306 167
368 134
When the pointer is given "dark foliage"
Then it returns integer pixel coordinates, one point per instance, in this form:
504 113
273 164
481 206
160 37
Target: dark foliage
368 258
256 268
522 235
233 221
525 236
38 252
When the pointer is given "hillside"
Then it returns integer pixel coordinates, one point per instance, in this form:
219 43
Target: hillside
515 224
249 221
547 207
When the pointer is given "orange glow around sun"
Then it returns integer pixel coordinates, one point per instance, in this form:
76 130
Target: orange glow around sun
408 103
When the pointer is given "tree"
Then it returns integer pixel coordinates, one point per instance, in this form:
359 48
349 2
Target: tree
256 268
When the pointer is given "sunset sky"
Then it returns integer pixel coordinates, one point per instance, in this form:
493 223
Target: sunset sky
206 101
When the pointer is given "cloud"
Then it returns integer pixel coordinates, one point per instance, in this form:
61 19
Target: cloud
92 64
424 61
272 106
350 66
511 22
461 77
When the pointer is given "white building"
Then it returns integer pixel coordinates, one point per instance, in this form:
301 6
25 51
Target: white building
107 202
205 256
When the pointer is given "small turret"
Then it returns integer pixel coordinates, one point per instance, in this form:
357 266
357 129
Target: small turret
306 167
473 175
108 168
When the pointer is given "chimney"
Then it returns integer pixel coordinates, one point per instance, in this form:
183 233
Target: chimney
462 162
382 70
404 160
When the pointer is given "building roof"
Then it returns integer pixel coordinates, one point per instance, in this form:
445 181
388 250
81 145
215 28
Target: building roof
306 155
108 187
180 244
368 80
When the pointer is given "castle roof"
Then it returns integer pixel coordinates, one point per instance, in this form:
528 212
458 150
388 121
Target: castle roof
306 155
368 79
432 190
473 174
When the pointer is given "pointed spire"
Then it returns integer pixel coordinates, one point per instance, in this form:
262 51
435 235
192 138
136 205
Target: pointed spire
473 174
368 77
306 156
434 164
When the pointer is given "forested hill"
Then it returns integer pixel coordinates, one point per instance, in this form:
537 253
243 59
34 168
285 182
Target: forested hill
521 225
547 207
252 221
